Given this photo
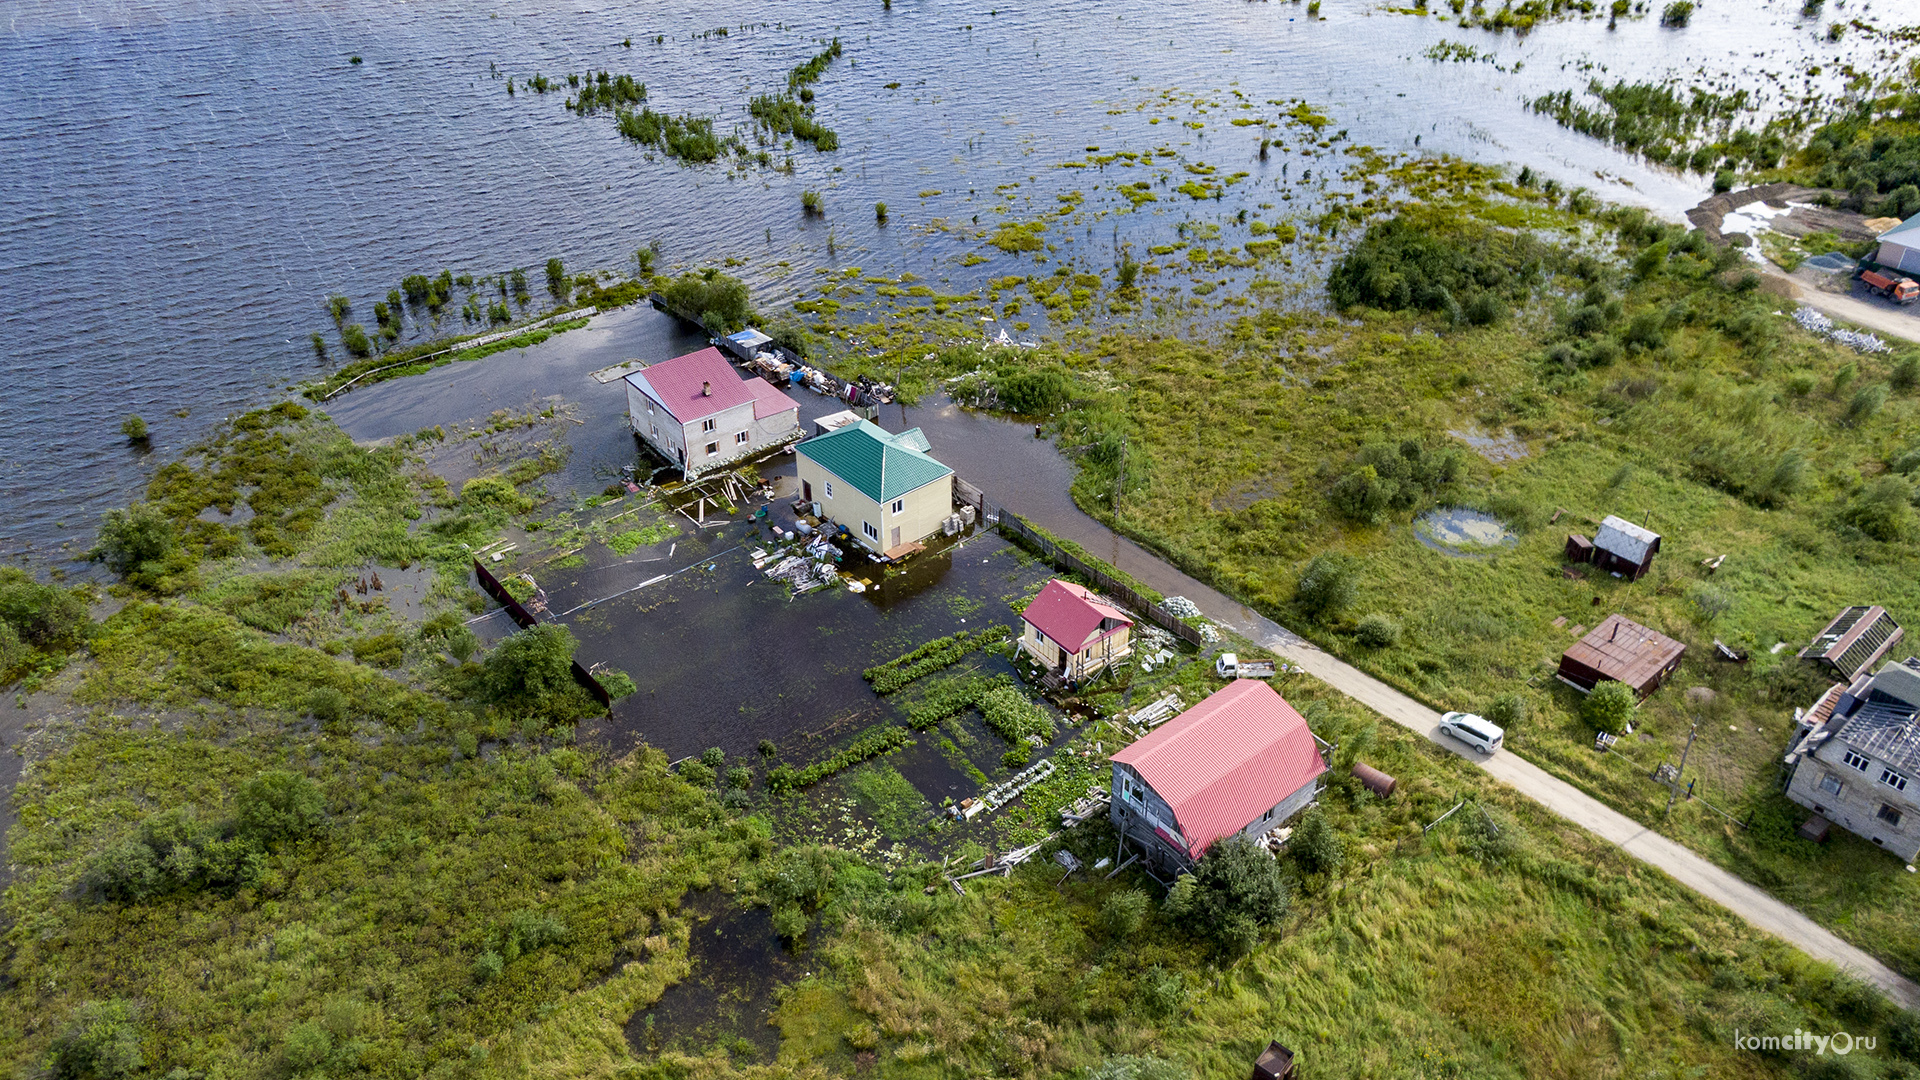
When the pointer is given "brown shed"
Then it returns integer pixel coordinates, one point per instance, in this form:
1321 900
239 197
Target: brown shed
1274 1063
1622 650
1579 548
1854 641
1621 547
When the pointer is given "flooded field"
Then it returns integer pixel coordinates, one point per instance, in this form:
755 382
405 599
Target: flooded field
191 182
1457 531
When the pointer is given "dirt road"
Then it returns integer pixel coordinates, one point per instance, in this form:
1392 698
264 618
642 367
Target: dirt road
1879 316
1749 902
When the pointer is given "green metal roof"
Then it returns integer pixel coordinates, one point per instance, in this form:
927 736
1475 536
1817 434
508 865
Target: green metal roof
883 466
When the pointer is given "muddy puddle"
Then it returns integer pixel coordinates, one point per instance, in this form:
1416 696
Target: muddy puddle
728 998
1462 533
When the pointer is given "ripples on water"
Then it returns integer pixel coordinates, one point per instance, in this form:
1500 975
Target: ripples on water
186 183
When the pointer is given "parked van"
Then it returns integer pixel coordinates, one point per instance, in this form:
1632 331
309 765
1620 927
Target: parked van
1477 732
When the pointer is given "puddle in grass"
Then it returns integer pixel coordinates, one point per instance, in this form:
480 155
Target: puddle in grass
1460 532
727 998
1498 448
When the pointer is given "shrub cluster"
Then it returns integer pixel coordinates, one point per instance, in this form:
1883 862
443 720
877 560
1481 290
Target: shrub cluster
951 697
1464 272
933 656
872 743
1234 890
717 299
175 850
1395 476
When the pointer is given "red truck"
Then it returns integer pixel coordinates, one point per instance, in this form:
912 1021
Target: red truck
1897 289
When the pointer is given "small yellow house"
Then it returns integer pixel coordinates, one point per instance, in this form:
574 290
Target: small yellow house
885 488
1072 633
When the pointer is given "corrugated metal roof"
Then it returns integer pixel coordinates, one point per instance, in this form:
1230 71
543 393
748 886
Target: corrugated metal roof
1069 614
1622 649
1227 760
1907 233
1624 538
681 383
1855 639
882 466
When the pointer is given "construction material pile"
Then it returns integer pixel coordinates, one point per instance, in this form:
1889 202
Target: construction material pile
1859 341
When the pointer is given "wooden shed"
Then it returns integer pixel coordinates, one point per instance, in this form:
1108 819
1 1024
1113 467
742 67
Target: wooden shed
1274 1063
1621 547
1624 651
1854 641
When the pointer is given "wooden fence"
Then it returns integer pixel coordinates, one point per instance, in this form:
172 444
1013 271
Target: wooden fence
524 619
1015 528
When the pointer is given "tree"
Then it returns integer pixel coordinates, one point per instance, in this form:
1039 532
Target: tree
100 1042
1316 845
532 666
276 806
1609 707
557 278
1234 890
134 428
1123 912
134 539
45 616
1326 587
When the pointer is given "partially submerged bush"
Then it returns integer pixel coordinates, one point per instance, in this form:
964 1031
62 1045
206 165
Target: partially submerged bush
533 670
135 543
1034 393
718 298
1428 265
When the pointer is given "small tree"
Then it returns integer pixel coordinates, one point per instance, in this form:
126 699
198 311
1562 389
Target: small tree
134 428
1377 631
1508 710
1234 890
1326 587
880 212
1316 846
1124 912
1609 707
557 278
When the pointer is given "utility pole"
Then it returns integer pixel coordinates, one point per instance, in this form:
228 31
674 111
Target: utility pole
1673 786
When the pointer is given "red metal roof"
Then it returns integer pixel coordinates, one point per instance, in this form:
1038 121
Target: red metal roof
681 383
1068 614
1227 760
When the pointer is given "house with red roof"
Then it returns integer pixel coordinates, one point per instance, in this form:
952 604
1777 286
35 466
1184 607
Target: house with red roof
1242 761
1072 633
702 415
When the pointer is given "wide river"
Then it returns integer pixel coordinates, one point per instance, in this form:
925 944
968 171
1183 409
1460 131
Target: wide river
187 182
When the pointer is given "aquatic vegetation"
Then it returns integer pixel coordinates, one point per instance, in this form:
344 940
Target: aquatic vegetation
1014 237
933 656
604 90
1694 131
783 778
686 138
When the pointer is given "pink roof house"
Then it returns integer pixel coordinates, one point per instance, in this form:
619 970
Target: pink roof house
702 415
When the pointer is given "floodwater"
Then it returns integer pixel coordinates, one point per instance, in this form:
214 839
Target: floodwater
188 181
739 964
1460 532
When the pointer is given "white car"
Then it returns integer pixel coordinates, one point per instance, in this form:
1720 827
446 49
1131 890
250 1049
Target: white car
1477 732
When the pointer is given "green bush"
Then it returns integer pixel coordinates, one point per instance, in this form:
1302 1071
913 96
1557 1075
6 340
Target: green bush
1326 587
134 428
1315 845
484 493
1509 711
534 669
135 540
1377 631
1428 264
1123 912
1882 510
101 1041
1011 713
1034 393
1395 475
277 806
354 337
1678 13
328 706
1609 707
1234 890
45 616
710 293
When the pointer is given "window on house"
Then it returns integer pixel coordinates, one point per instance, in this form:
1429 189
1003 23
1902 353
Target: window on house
829 489
740 438
707 425
1889 815
713 448
1856 760
1131 788
872 533
1893 780
1830 784
653 431
899 506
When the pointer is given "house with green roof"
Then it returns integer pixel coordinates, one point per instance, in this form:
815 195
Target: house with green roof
885 488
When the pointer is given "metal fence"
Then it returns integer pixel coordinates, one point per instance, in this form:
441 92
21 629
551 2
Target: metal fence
524 619
1014 527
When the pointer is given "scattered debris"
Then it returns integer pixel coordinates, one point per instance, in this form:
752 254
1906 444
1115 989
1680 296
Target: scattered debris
1858 340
